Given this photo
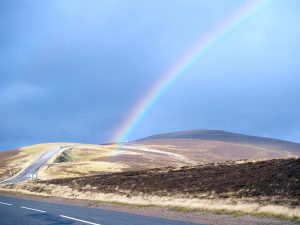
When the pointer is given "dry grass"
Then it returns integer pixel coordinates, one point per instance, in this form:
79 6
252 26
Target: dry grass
87 159
81 160
214 151
265 188
276 179
182 203
71 169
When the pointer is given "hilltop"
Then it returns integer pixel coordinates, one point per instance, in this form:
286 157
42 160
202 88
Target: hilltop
223 136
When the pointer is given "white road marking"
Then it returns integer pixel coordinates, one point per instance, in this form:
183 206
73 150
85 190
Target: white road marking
3 203
83 221
23 207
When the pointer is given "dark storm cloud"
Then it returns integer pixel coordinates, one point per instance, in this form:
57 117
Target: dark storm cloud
72 71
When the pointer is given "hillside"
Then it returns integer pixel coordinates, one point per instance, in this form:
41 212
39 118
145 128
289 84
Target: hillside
194 170
165 150
13 161
268 188
223 136
215 146
276 180
172 149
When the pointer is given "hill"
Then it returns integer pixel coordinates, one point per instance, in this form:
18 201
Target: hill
13 161
186 148
215 145
267 188
173 149
276 179
224 136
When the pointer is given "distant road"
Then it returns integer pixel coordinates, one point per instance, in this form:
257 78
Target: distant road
34 167
17 211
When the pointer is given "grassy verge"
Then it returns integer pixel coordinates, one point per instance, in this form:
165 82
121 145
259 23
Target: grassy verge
234 207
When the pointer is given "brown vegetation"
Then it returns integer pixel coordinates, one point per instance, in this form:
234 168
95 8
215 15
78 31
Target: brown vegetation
267 188
223 136
5 169
276 180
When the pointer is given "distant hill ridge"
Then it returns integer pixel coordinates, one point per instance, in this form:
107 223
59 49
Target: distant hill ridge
185 148
224 136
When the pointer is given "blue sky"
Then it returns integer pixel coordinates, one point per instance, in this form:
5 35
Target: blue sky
73 70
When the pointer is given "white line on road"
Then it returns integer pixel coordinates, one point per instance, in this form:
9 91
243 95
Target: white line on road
3 203
23 207
83 221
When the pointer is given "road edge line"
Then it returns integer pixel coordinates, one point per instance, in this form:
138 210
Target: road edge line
38 210
83 221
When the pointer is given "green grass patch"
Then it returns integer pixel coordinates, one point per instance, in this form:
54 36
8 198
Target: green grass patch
65 156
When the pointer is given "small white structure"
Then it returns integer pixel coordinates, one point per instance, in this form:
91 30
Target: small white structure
33 176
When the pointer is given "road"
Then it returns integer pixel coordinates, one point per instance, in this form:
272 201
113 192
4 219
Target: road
33 168
18 211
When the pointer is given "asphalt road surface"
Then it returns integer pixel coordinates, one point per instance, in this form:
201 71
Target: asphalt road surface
33 168
18 211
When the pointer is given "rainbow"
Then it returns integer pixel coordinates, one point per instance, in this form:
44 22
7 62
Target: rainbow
203 45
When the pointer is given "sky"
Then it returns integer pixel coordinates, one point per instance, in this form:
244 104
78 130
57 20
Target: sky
73 70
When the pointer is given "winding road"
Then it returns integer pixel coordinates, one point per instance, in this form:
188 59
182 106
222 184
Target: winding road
33 168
